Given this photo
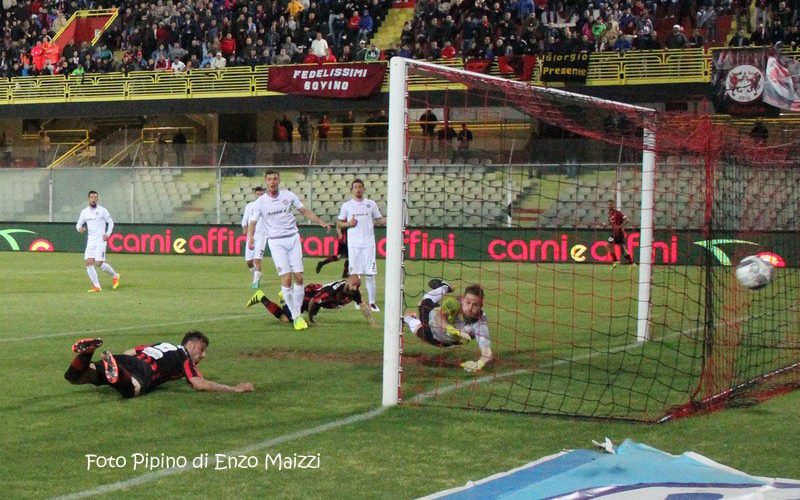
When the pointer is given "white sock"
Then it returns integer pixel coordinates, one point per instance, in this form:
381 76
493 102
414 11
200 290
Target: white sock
107 268
256 276
288 297
371 289
299 292
436 294
412 322
92 276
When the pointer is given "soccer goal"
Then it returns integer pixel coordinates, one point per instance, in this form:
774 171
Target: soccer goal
507 185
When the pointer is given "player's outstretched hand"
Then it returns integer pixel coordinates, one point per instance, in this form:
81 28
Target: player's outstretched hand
473 366
244 387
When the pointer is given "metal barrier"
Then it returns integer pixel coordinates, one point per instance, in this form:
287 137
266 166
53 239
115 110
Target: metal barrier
605 68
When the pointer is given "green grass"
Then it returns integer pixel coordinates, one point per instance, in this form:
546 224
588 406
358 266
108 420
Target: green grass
304 380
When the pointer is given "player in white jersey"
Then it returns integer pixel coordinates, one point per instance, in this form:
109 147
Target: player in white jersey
96 220
359 216
446 321
275 208
254 256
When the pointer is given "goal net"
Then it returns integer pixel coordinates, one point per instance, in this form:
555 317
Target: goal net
498 183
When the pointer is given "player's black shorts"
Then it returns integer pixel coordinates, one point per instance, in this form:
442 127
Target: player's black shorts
618 238
137 368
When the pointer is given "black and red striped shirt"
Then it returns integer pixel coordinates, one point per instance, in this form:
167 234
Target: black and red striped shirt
167 362
330 296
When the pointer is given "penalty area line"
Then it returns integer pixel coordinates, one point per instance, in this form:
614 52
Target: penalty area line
122 329
153 476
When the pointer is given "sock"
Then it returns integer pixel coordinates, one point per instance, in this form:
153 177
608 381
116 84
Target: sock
272 307
107 268
436 294
412 322
371 288
257 276
90 270
425 308
288 298
332 258
79 365
124 383
299 294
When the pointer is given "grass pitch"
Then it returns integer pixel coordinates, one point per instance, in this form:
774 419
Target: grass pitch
317 394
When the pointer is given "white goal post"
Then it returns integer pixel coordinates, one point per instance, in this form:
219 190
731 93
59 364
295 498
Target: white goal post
396 205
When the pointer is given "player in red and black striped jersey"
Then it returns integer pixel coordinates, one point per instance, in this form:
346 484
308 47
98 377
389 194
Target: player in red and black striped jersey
341 246
145 367
617 220
317 296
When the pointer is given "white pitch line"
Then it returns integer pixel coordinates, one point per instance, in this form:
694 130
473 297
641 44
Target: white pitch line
153 476
122 328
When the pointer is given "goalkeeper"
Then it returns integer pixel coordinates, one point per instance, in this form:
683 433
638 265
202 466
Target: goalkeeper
446 321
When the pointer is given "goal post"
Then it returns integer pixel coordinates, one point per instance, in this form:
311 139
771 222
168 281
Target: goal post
505 185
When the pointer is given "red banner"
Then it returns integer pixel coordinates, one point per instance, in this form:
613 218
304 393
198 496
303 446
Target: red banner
522 66
337 81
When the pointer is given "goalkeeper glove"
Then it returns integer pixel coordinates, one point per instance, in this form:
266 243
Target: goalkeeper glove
458 334
473 366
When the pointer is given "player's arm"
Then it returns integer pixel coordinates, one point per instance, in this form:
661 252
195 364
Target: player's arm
80 226
367 312
308 214
485 345
202 384
342 224
380 221
313 308
245 220
109 226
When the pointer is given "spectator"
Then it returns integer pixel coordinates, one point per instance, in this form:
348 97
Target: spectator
319 47
760 36
282 57
347 131
178 66
304 129
464 138
162 64
448 51
228 45
218 62
372 54
739 40
365 26
289 126
329 57
428 121
179 145
677 39
361 53
323 129
696 40
43 159
280 135
161 150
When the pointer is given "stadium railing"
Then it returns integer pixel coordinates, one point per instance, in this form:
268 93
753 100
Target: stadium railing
605 68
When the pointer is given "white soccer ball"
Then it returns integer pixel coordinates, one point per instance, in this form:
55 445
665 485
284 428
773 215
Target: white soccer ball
754 273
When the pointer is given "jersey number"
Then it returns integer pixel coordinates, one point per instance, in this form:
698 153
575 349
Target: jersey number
157 351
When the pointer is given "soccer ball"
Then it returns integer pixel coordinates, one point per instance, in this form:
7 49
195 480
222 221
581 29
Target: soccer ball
754 273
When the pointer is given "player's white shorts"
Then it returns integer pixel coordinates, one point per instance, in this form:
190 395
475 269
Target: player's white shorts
260 243
287 254
95 250
362 260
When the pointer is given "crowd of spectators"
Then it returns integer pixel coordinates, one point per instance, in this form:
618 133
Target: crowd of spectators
178 36
481 29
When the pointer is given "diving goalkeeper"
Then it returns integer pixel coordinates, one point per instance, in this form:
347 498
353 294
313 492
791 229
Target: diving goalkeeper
446 321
